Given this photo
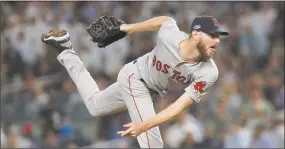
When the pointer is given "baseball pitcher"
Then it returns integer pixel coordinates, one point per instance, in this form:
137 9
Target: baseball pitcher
178 58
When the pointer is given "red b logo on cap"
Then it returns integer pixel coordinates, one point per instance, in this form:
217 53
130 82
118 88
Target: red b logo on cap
216 23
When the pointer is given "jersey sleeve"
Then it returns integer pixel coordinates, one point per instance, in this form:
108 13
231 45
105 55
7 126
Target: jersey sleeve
169 25
200 85
169 34
167 29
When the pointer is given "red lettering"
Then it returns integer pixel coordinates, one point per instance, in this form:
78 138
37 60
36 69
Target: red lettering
175 74
158 65
154 60
181 79
165 68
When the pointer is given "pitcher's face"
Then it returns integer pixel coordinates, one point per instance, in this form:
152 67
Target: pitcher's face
208 44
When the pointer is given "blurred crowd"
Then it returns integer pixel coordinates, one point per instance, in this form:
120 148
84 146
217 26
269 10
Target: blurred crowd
41 107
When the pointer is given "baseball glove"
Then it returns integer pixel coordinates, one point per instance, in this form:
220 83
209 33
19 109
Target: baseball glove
106 30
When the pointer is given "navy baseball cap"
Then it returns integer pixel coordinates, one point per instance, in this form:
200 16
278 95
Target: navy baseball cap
207 24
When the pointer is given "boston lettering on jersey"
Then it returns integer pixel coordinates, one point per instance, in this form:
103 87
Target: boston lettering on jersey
160 66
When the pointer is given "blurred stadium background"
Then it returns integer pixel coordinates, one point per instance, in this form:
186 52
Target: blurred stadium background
40 106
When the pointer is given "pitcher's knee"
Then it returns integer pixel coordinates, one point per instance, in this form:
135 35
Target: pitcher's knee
91 105
95 114
94 111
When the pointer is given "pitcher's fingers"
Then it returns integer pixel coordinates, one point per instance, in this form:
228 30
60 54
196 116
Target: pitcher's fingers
121 133
127 132
128 125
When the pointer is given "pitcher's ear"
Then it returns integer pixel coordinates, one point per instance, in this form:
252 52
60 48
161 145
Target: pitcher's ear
195 35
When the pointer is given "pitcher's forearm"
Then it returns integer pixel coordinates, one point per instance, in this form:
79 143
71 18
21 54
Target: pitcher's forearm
169 113
149 25
162 117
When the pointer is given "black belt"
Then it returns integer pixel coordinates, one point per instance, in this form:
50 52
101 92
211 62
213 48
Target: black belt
152 91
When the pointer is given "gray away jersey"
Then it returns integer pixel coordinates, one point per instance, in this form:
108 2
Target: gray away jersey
164 65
